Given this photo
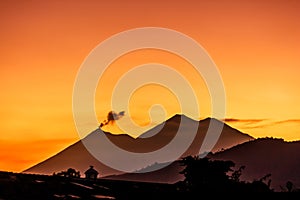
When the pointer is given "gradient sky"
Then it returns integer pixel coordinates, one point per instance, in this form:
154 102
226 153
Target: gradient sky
255 45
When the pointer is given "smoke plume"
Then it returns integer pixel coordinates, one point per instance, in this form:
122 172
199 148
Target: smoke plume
111 117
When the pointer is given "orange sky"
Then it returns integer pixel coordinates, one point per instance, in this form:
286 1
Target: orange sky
255 45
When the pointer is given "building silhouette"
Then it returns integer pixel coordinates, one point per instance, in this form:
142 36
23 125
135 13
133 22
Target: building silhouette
91 173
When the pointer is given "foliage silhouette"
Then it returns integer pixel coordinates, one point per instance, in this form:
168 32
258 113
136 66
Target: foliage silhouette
70 173
235 176
203 174
289 185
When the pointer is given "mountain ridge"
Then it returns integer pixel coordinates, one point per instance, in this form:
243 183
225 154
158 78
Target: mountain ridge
78 157
264 156
257 156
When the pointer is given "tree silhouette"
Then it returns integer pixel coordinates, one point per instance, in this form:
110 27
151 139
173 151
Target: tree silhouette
289 185
206 174
235 176
203 174
71 173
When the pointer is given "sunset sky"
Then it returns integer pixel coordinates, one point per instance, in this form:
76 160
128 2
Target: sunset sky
254 44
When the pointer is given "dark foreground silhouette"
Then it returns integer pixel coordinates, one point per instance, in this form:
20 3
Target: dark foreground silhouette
207 176
202 177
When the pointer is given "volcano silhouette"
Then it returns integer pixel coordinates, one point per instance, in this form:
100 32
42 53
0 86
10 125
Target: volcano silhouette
79 158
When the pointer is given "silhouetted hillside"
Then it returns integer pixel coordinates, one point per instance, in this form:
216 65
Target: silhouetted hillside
170 174
266 155
260 157
77 156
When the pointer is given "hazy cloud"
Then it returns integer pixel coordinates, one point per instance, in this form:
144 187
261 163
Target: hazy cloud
287 121
235 120
259 123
